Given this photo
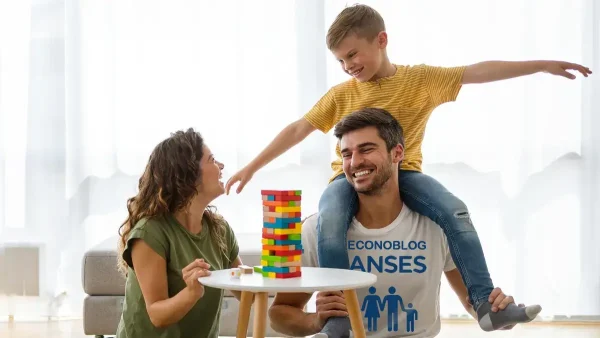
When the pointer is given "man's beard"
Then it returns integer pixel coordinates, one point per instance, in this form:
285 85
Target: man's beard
380 179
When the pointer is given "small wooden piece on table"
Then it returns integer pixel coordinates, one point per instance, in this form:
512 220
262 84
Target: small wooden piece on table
246 269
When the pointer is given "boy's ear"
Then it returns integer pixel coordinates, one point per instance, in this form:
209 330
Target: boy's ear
382 39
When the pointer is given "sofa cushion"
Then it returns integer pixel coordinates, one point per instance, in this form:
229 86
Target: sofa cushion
101 314
100 276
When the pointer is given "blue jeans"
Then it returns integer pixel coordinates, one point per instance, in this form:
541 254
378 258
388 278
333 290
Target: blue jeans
424 195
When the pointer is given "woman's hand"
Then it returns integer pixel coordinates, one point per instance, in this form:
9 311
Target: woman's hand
198 268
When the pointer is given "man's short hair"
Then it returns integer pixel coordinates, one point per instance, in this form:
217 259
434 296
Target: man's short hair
361 20
388 127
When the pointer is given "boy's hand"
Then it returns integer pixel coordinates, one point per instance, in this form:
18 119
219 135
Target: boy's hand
560 68
242 176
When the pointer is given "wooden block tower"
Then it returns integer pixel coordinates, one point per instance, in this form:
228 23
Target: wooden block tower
281 234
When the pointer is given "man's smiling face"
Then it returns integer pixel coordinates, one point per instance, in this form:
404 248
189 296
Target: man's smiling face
366 162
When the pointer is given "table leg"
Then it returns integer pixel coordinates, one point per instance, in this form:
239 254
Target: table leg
356 322
260 315
244 314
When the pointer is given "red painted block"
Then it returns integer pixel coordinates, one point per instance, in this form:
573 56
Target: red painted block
289 275
279 204
277 192
294 225
288 198
288 253
273 236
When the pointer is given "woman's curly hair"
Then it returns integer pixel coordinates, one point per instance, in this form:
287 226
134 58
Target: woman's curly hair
168 185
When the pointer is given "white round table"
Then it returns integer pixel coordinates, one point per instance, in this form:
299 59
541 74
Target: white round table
312 280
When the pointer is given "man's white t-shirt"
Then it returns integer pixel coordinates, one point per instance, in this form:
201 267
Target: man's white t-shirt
408 256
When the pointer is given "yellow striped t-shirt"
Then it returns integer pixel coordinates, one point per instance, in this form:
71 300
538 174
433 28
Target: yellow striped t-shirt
410 95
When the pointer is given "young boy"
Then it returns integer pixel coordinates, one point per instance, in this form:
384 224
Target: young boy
357 38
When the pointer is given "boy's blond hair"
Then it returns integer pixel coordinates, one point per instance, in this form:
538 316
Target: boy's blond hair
361 20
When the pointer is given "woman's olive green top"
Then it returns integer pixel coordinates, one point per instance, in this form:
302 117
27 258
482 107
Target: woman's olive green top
178 247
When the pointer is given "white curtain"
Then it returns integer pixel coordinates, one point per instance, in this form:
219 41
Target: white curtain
88 88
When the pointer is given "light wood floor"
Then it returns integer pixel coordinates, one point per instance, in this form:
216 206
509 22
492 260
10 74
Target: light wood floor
73 329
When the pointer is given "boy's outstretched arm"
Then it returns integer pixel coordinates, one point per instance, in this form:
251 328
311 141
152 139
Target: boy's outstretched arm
291 135
489 71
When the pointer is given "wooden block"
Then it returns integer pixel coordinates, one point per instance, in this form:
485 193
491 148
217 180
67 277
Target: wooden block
281 247
289 275
245 269
291 263
269 274
295 226
275 223
287 198
275 236
270 208
280 253
281 192
281 203
258 269
282 275
295 231
281 224
277 220
267 263
281 242
271 258
273 192
282 214
288 247
282 269
288 209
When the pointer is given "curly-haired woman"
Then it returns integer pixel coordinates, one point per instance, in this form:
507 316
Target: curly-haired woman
171 237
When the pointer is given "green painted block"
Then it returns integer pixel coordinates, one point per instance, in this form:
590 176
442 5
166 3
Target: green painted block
258 269
274 258
294 237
